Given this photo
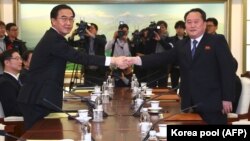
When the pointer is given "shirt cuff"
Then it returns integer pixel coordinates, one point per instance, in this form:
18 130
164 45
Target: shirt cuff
107 61
138 61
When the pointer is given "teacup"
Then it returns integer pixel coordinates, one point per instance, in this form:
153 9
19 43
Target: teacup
83 113
149 91
162 129
155 104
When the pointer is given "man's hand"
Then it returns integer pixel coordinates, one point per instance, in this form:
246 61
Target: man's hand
120 62
89 34
133 60
227 107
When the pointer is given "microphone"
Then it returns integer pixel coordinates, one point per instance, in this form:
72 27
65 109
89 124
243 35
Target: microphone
183 110
3 133
138 111
59 109
89 102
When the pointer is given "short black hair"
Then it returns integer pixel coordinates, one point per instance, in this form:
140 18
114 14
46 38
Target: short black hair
2 23
213 20
93 24
180 24
123 25
203 13
26 54
54 11
9 25
162 22
6 55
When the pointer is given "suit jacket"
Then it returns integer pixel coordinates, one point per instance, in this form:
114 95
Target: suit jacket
9 88
98 75
208 78
46 73
17 45
99 49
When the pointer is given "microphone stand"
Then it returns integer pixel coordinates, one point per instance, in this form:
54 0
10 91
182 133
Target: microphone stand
138 111
59 109
89 103
153 126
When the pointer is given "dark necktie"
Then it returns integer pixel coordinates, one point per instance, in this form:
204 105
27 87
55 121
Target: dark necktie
194 47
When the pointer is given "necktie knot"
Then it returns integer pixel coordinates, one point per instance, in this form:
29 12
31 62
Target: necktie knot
193 47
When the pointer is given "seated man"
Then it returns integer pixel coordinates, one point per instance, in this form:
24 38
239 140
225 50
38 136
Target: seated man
9 84
123 77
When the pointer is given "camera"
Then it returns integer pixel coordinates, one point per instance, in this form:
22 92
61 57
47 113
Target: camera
152 28
137 35
121 33
81 30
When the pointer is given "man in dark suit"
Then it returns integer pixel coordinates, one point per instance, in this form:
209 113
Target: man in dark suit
46 74
92 44
207 76
9 84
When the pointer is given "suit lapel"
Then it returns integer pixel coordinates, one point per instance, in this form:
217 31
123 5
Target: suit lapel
188 50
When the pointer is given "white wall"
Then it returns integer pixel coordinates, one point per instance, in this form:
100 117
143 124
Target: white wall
7 11
237 33
236 27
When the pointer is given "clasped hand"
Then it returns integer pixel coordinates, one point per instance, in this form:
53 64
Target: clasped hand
123 62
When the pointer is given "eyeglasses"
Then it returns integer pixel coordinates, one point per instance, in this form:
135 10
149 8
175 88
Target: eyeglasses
65 19
14 29
16 58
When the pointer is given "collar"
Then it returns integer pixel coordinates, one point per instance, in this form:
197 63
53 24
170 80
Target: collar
198 39
13 75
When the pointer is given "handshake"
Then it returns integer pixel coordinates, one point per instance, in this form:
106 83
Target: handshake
123 62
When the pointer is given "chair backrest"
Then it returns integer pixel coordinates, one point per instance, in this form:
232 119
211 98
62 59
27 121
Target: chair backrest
244 101
1 111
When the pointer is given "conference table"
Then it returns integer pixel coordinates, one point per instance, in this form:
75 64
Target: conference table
120 125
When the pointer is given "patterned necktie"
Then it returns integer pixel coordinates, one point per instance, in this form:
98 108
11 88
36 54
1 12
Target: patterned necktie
194 47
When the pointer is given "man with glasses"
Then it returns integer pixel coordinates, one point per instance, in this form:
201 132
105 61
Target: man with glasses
92 44
9 82
12 41
46 73
212 25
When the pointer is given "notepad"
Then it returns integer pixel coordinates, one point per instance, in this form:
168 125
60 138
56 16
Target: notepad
59 115
13 118
241 122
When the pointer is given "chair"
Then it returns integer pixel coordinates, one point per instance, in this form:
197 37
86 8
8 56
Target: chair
244 101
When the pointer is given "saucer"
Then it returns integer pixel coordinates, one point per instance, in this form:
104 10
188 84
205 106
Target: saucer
83 119
148 95
154 109
161 136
